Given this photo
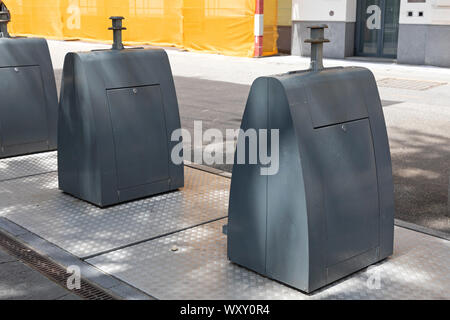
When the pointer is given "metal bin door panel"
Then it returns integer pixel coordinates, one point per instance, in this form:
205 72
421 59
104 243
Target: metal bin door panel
23 118
329 99
346 161
140 137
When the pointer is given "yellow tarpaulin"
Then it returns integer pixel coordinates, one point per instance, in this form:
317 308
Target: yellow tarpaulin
218 26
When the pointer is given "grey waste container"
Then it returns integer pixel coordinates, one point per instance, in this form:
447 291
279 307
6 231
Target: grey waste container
118 110
28 98
329 211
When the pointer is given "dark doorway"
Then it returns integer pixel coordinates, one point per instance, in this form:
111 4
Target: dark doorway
377 28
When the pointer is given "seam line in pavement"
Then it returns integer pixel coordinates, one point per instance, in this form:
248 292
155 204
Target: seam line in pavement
64 295
420 229
207 169
28 176
152 239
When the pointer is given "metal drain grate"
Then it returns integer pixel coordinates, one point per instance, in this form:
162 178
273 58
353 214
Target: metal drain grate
50 269
418 85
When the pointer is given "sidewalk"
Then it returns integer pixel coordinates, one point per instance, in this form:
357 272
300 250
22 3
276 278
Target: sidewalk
20 282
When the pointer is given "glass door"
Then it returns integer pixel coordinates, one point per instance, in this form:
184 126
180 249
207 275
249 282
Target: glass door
377 28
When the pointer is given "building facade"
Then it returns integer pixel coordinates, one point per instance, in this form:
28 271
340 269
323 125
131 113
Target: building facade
410 31
284 26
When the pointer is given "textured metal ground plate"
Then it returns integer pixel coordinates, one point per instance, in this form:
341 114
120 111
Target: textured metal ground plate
418 85
85 230
419 269
12 168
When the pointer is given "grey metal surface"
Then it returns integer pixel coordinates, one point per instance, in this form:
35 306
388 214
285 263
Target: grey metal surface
24 121
419 269
17 167
84 230
118 110
328 211
353 214
27 191
140 136
28 105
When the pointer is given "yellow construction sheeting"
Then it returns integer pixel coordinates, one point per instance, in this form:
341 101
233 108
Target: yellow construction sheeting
270 27
217 26
285 12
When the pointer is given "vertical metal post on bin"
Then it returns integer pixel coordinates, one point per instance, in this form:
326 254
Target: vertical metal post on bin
5 18
117 32
317 40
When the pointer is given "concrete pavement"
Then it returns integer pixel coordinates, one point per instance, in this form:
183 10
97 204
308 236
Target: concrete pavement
20 282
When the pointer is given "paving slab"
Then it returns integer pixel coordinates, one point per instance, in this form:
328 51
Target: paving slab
5 257
64 259
20 282
70 296
419 135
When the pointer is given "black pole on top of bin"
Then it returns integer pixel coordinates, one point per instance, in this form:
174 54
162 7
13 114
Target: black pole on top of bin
317 40
5 18
117 32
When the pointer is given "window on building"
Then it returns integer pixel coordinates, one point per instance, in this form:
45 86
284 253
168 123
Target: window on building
88 7
146 7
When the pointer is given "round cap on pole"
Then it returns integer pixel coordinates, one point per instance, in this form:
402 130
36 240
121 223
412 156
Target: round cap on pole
117 32
317 40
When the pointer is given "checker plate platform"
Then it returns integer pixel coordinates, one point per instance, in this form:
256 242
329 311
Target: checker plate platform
419 269
171 246
35 203
12 168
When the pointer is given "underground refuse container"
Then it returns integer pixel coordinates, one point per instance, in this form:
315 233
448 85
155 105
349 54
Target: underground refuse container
28 98
118 110
329 210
